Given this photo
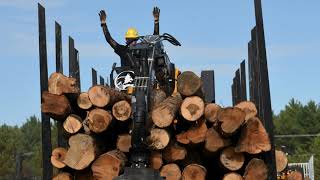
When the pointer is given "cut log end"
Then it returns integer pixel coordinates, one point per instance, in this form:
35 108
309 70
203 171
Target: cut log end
56 106
158 139
256 169
63 176
281 161
121 110
99 96
72 124
58 156
211 112
83 101
124 142
171 172
232 176
231 160
174 152
214 141
249 108
295 175
254 138
59 84
156 160
188 83
99 120
196 134
192 108
231 120
194 171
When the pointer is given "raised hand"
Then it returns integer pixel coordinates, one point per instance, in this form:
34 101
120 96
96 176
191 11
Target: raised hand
156 13
103 16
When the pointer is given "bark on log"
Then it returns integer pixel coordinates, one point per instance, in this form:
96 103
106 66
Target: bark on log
84 174
60 84
211 112
254 138
124 142
249 108
156 160
63 176
99 96
108 165
281 161
164 113
158 139
231 120
295 175
194 171
189 83
72 124
58 156
232 160
214 142
116 96
192 108
174 152
171 172
196 134
256 169
83 101
56 106
232 176
157 96
121 110
82 151
99 120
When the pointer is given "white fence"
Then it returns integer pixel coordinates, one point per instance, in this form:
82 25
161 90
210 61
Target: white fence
308 168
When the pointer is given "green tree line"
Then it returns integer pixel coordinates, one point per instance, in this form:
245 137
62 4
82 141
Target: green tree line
295 118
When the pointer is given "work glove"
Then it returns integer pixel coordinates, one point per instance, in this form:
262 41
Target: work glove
103 16
156 13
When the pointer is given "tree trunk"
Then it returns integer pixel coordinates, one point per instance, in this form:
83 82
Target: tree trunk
174 152
164 113
99 96
83 101
72 124
254 138
121 110
171 172
157 96
196 134
256 170
281 161
58 156
124 142
232 160
192 108
189 83
231 120
214 141
60 84
55 106
194 171
158 139
116 96
81 153
232 176
295 175
156 160
99 120
63 176
249 108
108 165
211 112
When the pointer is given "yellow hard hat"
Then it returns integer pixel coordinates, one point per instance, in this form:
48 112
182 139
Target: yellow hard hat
132 33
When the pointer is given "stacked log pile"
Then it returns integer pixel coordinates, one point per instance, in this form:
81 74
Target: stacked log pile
188 138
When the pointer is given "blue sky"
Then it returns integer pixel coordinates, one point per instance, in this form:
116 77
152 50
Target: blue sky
214 35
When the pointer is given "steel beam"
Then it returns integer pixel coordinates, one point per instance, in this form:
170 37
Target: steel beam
94 76
208 86
102 81
243 81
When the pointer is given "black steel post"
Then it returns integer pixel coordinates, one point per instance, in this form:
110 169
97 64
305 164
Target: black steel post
208 85
77 68
45 120
238 87
94 76
59 68
265 89
251 70
102 81
243 81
